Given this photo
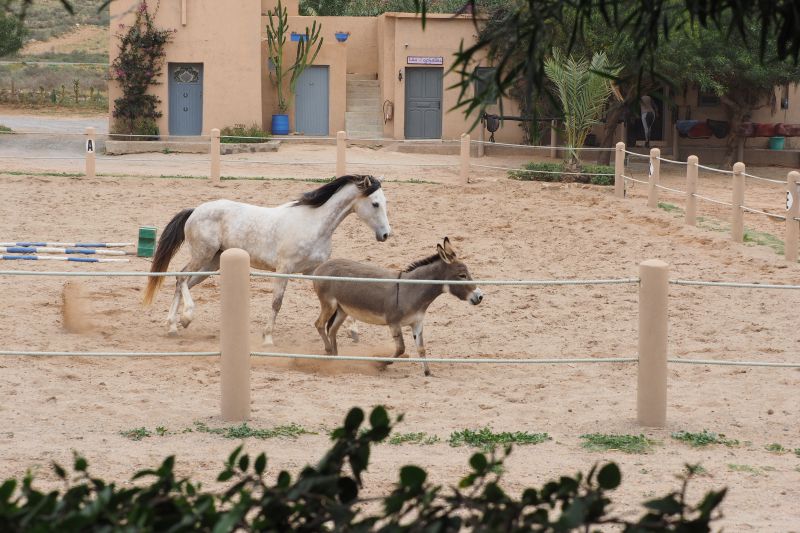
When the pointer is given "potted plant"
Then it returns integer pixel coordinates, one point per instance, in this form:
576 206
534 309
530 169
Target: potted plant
342 36
308 45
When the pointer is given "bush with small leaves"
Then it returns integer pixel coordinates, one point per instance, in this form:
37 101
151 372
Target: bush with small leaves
326 497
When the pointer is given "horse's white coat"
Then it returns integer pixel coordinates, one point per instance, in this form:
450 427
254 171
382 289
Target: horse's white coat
288 239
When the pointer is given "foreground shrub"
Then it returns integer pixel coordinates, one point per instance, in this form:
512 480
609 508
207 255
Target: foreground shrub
239 133
326 497
535 171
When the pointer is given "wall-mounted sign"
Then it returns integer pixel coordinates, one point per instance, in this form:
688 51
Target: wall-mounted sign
424 60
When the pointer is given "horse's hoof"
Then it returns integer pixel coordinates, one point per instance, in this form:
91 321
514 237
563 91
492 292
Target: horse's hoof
172 332
427 373
354 336
268 341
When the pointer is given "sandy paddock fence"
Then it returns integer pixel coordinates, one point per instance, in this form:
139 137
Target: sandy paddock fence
235 353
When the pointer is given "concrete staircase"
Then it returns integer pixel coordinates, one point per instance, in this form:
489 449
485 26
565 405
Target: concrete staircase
363 117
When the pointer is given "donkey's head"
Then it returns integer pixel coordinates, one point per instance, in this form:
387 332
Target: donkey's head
455 270
370 206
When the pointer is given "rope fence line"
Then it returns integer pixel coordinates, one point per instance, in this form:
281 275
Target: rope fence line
620 281
369 163
670 189
637 154
546 147
42 157
712 200
665 160
752 210
111 274
277 163
539 171
732 284
107 354
779 182
634 179
718 362
125 160
465 360
712 169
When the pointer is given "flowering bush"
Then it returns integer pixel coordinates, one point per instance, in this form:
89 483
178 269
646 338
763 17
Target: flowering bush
136 68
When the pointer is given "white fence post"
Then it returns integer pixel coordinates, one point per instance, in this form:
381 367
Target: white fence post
234 337
214 155
465 142
654 173
737 213
619 170
651 400
91 148
792 212
341 146
691 189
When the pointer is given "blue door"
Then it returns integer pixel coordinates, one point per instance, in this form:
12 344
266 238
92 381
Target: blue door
423 116
185 98
311 102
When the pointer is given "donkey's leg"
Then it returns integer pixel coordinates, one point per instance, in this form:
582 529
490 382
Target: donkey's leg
416 328
187 314
399 345
352 328
327 310
338 319
278 289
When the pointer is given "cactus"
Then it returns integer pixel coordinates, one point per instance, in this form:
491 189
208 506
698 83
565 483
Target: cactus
307 50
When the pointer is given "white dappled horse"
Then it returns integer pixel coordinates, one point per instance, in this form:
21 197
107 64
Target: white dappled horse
292 238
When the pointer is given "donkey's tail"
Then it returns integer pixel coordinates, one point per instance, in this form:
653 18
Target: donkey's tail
168 245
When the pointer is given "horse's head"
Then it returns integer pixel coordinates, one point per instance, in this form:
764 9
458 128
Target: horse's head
370 207
456 270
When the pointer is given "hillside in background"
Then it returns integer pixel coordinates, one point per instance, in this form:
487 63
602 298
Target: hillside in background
46 19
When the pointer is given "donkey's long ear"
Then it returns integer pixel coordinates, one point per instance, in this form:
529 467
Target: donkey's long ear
448 250
443 254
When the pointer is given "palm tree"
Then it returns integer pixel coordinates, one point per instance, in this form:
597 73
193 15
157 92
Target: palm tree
583 89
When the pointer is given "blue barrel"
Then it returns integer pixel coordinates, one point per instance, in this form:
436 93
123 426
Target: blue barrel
280 125
776 143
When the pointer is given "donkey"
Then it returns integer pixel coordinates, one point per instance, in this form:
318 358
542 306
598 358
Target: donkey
293 237
389 304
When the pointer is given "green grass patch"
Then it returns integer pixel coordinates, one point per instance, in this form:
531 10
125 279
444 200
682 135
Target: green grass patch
136 433
239 133
670 208
550 172
487 439
733 467
704 438
797 452
775 447
5 129
421 438
764 239
43 174
623 443
244 431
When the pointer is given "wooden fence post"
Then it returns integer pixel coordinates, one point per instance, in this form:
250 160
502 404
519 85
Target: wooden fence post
654 178
464 168
214 154
792 212
553 140
737 213
651 400
341 146
91 148
619 170
234 337
691 190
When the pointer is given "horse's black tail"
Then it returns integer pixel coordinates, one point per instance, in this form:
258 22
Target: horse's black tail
168 245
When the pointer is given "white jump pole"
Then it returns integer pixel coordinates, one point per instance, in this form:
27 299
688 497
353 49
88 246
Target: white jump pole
235 334
651 401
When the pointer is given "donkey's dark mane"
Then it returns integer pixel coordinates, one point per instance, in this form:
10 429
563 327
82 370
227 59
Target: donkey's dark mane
422 262
366 185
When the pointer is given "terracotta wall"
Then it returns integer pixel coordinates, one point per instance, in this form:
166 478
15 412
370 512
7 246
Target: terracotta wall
224 37
402 35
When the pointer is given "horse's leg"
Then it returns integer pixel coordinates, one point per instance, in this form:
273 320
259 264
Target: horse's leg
416 329
278 289
172 317
352 328
338 319
187 314
327 310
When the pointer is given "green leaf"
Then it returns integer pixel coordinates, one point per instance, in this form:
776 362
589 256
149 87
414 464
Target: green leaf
412 477
225 475
353 419
348 489
261 463
478 462
244 462
667 505
60 472
80 464
609 476
7 489
379 418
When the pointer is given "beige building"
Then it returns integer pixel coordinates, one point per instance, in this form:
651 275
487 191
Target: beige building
388 79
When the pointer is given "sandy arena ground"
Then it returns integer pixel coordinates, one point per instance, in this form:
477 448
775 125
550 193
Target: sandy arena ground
504 230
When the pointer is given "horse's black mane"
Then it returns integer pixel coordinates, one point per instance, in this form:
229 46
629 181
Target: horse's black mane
422 262
366 184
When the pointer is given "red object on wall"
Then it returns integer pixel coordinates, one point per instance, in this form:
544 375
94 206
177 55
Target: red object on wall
765 130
